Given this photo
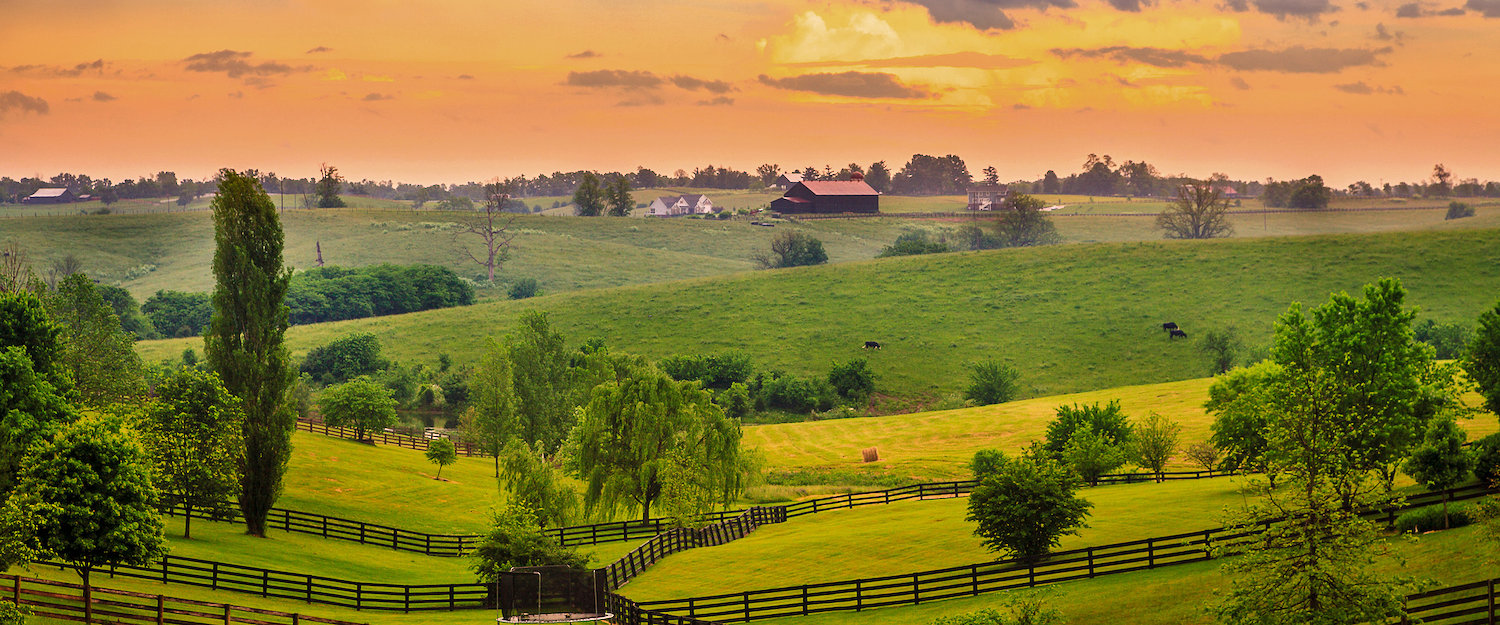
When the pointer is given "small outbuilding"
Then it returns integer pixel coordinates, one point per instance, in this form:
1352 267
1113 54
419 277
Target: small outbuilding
55 195
829 196
786 180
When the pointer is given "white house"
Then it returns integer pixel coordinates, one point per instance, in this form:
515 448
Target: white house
694 204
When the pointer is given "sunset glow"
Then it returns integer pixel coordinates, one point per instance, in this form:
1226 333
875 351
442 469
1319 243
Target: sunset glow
455 91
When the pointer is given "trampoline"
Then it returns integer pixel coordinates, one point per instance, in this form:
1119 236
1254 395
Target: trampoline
551 594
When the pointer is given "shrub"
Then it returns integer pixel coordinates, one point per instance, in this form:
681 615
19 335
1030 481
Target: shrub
716 371
1459 210
1430 518
172 311
1107 420
992 382
336 293
516 539
852 380
1025 507
913 243
783 391
523 288
792 249
735 401
1487 459
344 359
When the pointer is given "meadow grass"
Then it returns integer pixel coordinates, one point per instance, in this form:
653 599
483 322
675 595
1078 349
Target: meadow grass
1070 318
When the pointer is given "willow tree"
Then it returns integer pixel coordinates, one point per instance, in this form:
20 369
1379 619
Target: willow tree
648 438
244 339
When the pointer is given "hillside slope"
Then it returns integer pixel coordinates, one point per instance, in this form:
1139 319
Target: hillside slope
1070 318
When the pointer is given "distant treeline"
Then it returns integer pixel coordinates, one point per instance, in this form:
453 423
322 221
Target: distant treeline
322 294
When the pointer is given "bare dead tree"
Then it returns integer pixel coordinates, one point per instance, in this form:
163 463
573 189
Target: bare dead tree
13 268
492 225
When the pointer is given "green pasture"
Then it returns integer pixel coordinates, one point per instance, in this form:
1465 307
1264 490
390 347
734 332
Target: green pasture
1070 318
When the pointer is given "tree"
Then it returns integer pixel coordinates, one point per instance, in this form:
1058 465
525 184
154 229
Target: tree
588 198
1442 181
617 197
1221 346
62 268
31 410
992 382
1482 362
1204 455
1050 183
361 403
14 270
1199 212
344 358
125 307
539 374
768 174
178 314
492 226
537 485
879 176
491 420
792 249
329 185
1154 440
109 196
1025 506
1106 420
1091 454
853 380
244 339
441 453
515 539
97 353
90 496
193 431
1022 223
1458 210
991 176
1441 462
25 324
1237 400
649 437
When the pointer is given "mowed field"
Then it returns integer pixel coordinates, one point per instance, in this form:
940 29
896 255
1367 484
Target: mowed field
1070 318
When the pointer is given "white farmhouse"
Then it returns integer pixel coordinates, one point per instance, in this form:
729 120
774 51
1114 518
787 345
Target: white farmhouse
694 204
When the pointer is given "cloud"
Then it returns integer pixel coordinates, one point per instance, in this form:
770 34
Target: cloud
1301 60
606 78
235 64
1413 10
722 100
15 100
693 84
965 60
319 50
465 77
1360 88
586 54
1239 83
1156 57
58 71
377 97
1133 6
100 96
238 95
1487 8
1384 34
1020 107
1309 10
849 84
259 82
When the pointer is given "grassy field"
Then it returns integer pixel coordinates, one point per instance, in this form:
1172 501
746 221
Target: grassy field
1070 318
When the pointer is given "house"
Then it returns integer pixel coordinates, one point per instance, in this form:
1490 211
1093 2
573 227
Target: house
786 180
829 196
672 206
51 196
987 197
1228 191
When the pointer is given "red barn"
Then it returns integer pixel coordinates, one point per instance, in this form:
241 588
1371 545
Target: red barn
840 196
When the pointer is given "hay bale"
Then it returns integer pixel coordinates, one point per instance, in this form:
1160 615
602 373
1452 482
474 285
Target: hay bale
871 454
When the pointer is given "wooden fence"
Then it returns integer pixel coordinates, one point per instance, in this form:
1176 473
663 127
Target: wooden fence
672 541
1467 604
64 601
974 579
386 438
307 588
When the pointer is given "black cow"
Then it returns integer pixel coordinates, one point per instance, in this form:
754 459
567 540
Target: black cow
1169 326
872 345
1174 333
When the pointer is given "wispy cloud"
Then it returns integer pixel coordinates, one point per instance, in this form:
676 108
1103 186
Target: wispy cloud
17 101
319 50
377 97
235 64
849 84
586 54
58 71
100 96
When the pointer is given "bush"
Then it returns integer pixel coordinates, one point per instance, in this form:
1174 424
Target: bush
1430 518
716 371
344 359
1449 339
853 380
523 288
1487 459
516 539
336 293
1107 420
783 391
913 243
992 382
735 401
792 249
174 313
1459 210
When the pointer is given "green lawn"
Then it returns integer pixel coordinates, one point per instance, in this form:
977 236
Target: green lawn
1070 318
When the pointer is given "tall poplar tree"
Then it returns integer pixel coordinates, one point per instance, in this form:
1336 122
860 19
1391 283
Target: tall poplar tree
244 339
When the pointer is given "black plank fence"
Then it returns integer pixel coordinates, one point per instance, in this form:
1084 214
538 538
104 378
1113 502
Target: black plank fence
974 579
64 601
672 541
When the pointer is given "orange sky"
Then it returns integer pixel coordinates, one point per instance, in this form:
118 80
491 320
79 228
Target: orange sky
457 91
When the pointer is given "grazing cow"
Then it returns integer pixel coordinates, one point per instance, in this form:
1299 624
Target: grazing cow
872 345
1169 326
1172 334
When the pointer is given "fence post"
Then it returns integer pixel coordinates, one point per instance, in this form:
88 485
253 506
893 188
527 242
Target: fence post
214 577
1492 602
1150 553
1091 562
227 618
359 588
161 609
804 600
163 569
309 589
747 606
974 578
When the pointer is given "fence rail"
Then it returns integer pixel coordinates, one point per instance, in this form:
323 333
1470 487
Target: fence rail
996 214
1467 604
385 438
65 601
974 579
679 539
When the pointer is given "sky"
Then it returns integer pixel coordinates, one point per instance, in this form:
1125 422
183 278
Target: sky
472 90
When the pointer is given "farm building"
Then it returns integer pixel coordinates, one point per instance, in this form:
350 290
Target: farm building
786 180
841 196
51 196
681 205
987 197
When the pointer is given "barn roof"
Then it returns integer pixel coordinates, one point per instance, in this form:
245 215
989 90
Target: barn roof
792 176
693 198
53 192
840 187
